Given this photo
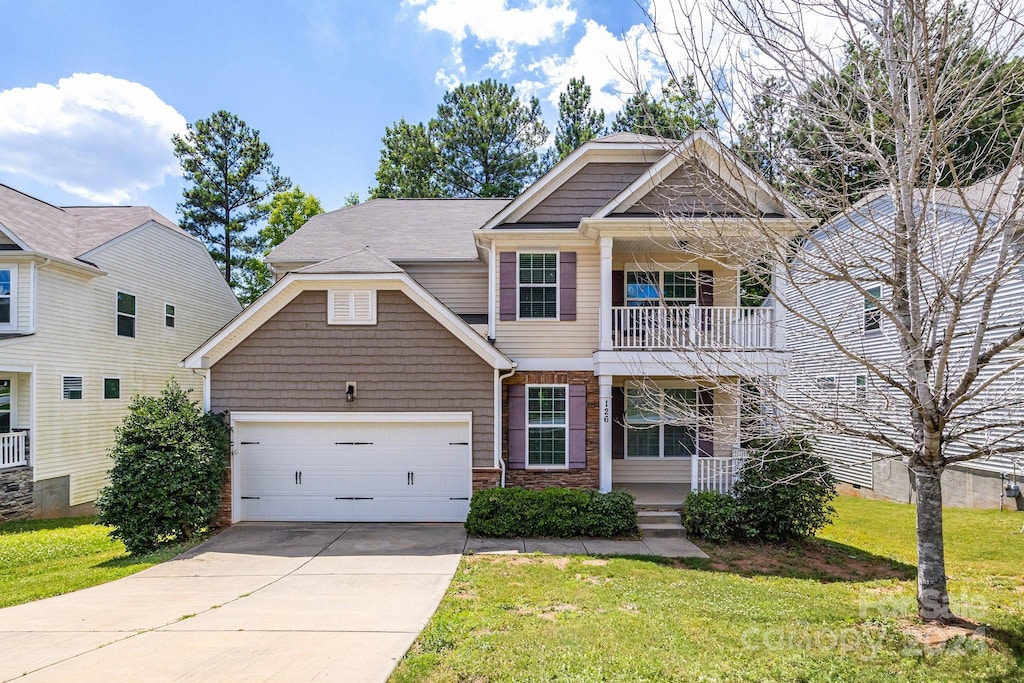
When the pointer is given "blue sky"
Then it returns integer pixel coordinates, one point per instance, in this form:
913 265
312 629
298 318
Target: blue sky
91 92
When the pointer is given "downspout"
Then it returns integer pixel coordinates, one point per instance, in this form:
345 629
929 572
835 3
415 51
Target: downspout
492 295
498 379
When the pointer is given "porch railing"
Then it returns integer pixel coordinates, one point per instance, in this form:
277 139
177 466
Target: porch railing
692 327
718 474
12 449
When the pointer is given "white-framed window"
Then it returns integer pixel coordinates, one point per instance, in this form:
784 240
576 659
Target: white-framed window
8 296
125 314
169 315
860 387
547 425
351 307
661 287
6 403
538 286
71 387
111 388
661 424
872 314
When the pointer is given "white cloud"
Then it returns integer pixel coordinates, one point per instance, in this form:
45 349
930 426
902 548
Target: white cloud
101 138
494 21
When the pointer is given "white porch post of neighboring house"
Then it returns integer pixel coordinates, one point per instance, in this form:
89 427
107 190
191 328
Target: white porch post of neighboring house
605 451
779 314
606 299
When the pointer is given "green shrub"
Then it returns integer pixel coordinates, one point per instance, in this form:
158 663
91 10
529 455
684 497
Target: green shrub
784 490
169 464
552 512
712 516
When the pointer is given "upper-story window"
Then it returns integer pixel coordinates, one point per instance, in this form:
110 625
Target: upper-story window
125 314
651 288
6 296
872 314
169 315
538 286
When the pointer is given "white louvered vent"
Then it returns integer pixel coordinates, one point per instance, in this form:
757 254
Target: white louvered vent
72 387
351 307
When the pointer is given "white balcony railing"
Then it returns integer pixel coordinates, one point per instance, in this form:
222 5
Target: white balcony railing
718 473
725 328
12 449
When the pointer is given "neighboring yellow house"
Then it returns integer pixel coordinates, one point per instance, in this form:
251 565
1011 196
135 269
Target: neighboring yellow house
97 304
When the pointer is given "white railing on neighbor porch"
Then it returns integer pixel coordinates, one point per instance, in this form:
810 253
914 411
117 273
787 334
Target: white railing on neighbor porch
692 327
718 473
12 449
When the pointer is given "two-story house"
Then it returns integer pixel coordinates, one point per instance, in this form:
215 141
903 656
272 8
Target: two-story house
415 349
97 304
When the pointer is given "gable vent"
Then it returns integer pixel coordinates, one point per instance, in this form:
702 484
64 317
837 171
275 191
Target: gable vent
351 307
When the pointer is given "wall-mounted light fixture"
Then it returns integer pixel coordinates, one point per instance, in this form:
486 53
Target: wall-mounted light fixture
350 392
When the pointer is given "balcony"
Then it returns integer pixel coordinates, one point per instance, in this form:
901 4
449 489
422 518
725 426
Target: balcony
714 328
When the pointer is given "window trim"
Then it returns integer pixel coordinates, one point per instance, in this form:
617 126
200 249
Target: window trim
13 323
12 407
172 316
661 427
870 307
860 387
557 286
63 378
111 398
564 426
133 316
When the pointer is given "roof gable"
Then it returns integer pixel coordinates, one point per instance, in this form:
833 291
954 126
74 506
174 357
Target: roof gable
700 172
585 192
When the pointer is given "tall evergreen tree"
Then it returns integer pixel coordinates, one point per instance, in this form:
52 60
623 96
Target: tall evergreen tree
230 175
577 121
409 163
762 139
679 111
487 140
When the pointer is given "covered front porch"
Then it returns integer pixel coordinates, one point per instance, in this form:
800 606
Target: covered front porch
15 417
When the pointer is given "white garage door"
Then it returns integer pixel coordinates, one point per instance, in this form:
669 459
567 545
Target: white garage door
366 471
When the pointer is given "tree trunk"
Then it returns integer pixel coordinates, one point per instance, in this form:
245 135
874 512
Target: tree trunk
932 595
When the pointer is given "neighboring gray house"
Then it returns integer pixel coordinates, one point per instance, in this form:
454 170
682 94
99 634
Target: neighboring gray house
817 368
415 349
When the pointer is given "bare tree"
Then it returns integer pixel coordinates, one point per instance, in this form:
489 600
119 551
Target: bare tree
903 307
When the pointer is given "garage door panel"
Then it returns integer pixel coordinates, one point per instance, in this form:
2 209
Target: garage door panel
366 471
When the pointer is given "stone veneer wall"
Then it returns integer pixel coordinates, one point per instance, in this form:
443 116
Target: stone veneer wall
16 494
585 478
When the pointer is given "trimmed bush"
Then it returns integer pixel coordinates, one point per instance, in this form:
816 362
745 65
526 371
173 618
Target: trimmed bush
713 516
169 464
551 512
784 490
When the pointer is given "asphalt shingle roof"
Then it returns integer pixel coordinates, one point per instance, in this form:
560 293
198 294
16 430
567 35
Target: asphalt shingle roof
398 229
69 232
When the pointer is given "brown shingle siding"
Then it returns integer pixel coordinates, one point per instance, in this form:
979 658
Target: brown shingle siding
406 362
586 192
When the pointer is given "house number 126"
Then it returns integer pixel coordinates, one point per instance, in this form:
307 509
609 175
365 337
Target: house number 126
606 411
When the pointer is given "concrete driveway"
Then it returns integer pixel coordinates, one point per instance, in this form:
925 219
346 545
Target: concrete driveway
258 602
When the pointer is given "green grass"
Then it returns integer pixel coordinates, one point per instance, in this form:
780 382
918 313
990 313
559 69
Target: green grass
837 608
42 558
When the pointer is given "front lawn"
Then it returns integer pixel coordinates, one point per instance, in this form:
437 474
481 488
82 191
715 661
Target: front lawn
41 558
836 608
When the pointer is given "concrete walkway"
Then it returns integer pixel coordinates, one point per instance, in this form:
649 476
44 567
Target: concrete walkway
258 602
266 602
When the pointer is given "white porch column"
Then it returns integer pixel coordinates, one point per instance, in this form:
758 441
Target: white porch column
779 314
606 296
605 384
